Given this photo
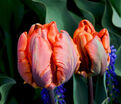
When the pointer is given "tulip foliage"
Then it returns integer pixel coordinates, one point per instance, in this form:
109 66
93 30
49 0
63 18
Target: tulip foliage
51 44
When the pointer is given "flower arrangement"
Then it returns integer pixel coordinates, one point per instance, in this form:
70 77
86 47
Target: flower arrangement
60 52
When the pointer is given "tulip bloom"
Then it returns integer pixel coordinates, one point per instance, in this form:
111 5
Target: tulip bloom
93 48
46 58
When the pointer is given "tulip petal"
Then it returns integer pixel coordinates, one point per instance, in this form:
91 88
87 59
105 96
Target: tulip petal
97 56
31 30
41 68
33 27
24 67
81 40
104 35
53 31
44 32
65 56
87 26
31 40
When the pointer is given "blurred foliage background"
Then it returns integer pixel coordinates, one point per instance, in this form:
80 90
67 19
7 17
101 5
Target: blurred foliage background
17 16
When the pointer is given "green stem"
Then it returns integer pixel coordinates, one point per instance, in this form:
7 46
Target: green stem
90 90
51 92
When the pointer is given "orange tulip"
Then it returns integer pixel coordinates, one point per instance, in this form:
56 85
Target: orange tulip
93 48
46 58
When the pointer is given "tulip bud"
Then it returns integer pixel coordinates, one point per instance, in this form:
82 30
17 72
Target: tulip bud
46 58
93 48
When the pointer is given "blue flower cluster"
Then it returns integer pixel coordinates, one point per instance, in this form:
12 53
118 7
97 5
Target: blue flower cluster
111 80
58 92
45 96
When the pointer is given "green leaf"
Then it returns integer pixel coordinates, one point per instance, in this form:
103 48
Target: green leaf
18 12
119 87
117 5
118 62
100 93
2 65
107 23
118 71
75 17
115 39
37 93
107 19
56 10
38 8
116 19
10 9
80 90
91 11
105 101
86 14
5 85
5 10
13 101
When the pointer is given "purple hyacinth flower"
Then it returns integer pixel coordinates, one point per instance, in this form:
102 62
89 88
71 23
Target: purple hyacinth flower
111 80
58 92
